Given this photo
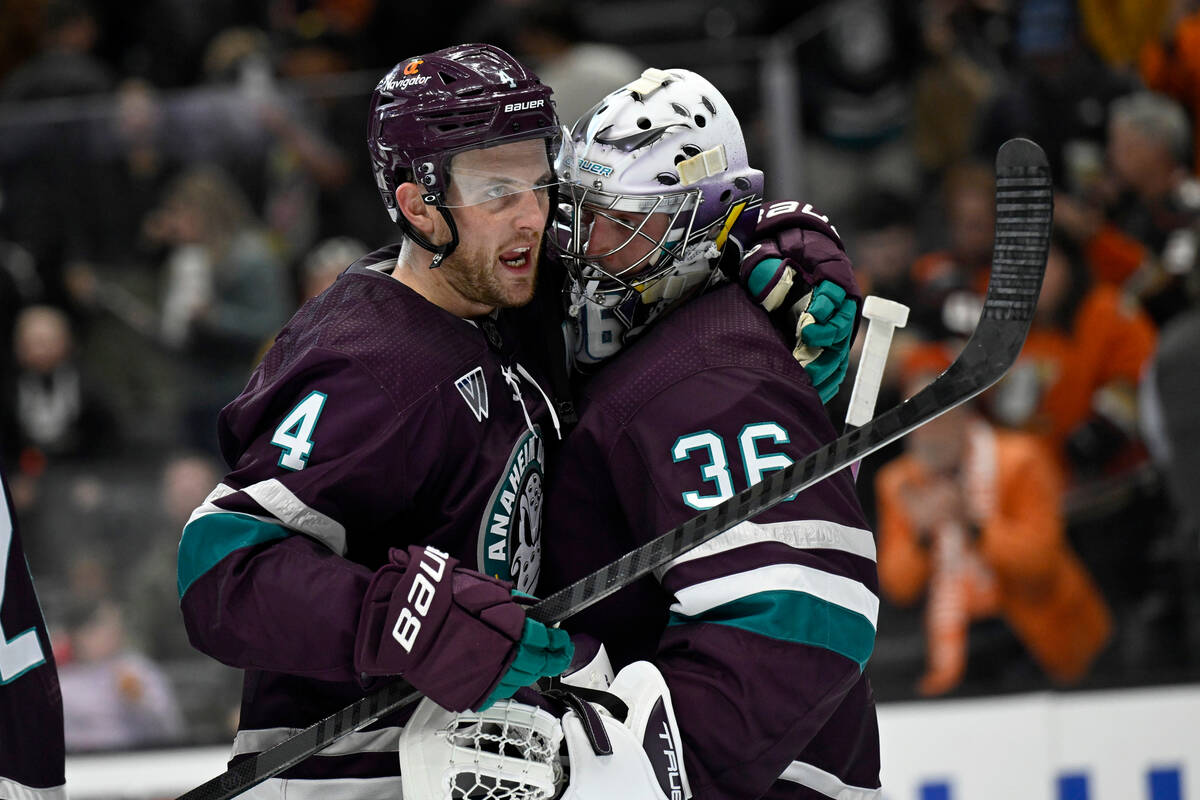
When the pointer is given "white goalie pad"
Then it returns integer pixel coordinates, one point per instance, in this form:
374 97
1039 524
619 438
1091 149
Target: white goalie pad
514 751
647 754
508 752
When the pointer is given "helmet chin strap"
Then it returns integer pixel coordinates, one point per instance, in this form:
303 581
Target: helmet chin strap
440 251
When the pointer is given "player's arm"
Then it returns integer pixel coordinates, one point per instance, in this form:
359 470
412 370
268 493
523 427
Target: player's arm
796 267
773 621
265 583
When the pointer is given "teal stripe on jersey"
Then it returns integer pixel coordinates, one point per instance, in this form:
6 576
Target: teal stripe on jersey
208 539
794 617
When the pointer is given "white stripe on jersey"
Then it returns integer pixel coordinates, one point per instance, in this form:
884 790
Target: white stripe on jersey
18 791
850 594
276 498
809 534
384 740
826 783
208 510
326 789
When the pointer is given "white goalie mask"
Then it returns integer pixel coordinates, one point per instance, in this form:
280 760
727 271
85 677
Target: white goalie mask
662 176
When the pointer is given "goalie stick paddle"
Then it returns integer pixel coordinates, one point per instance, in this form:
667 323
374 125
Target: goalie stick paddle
1023 214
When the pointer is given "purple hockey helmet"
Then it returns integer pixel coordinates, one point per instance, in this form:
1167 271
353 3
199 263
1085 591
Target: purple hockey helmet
431 107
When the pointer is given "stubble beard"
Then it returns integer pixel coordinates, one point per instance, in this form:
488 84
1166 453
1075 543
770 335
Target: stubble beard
473 275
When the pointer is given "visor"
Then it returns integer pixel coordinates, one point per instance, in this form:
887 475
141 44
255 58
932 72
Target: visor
506 167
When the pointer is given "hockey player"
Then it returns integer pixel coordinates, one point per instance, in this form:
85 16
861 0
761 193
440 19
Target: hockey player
387 454
32 755
746 654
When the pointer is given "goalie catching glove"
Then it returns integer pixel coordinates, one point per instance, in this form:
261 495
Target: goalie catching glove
625 744
457 635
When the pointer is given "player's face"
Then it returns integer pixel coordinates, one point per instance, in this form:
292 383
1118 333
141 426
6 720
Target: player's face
611 231
495 263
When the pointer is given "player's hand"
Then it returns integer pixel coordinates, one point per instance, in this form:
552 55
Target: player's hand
541 652
455 634
798 271
820 321
824 324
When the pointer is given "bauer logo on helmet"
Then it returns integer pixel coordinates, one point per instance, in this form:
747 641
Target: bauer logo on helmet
595 168
523 106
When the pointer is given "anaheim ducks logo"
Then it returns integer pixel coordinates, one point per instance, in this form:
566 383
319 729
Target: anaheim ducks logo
510 536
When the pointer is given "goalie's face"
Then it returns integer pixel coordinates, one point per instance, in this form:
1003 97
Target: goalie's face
615 242
624 243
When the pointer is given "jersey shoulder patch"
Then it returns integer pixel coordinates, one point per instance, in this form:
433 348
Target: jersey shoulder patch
473 389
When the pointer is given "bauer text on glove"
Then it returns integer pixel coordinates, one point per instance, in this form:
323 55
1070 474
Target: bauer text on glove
453 633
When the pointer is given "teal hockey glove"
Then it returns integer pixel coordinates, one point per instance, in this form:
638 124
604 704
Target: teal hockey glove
798 271
824 328
541 651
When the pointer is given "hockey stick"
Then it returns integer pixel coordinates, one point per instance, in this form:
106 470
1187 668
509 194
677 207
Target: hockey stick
1023 212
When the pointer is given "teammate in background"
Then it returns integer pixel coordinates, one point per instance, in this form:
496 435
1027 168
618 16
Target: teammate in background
393 436
747 652
32 754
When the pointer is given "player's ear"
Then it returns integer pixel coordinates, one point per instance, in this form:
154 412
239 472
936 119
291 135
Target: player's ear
410 200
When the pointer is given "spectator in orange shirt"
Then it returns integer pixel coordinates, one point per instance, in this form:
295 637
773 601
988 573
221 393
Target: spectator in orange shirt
1075 382
970 517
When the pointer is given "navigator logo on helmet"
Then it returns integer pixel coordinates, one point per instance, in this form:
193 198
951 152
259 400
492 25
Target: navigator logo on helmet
429 108
667 145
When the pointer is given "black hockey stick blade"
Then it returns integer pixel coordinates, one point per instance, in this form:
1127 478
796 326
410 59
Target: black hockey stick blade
1023 213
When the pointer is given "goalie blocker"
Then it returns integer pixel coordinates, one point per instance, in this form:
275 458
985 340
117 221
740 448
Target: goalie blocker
625 744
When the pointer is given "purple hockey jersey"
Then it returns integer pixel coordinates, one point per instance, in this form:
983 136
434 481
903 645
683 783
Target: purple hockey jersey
762 633
376 420
32 755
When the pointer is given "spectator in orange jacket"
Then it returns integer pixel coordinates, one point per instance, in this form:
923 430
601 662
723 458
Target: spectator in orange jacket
1075 382
970 517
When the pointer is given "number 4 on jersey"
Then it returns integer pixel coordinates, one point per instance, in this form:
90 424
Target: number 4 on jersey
294 434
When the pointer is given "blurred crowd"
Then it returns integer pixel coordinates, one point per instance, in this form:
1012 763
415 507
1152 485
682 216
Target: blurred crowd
176 178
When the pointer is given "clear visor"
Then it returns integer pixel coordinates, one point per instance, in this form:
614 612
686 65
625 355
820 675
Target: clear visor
622 241
506 168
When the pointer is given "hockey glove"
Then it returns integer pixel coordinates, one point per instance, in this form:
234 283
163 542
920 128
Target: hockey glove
791 270
453 633
541 652
823 329
819 323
